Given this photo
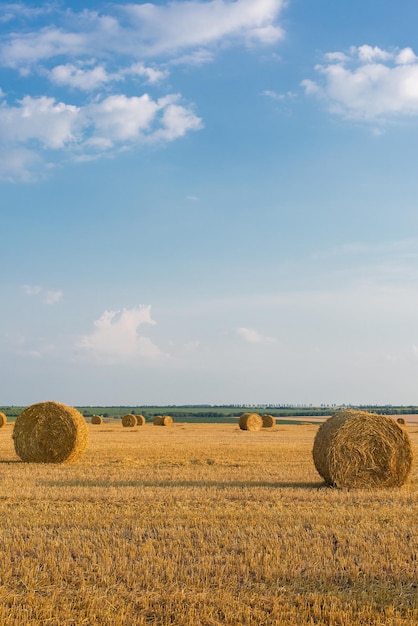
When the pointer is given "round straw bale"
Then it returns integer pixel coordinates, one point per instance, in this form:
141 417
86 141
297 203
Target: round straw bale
96 419
129 420
401 420
3 419
268 421
141 420
361 449
163 420
250 421
50 432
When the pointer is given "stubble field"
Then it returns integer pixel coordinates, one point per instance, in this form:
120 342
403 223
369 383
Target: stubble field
202 525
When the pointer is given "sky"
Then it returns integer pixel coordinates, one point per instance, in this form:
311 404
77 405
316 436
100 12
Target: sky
209 202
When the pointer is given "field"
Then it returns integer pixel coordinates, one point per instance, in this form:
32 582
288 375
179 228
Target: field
202 525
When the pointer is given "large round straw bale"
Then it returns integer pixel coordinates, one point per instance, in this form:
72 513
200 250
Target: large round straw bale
268 420
50 432
129 420
361 449
3 419
141 420
250 421
163 420
401 420
96 419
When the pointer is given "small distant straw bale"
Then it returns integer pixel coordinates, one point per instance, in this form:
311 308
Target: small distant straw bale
268 420
129 420
250 421
163 420
140 419
3 419
401 420
361 449
50 432
96 419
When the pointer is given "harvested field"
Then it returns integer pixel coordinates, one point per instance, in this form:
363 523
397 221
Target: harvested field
202 525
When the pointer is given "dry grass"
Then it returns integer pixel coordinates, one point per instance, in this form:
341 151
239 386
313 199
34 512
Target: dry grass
202 525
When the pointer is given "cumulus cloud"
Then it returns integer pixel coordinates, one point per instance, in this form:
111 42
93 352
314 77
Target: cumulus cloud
52 124
34 127
368 83
100 58
80 78
115 336
250 335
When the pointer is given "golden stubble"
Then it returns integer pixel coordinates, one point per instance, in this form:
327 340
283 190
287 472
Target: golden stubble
202 525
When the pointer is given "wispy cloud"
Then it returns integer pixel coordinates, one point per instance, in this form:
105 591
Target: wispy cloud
145 30
32 290
49 296
250 335
278 97
368 83
52 297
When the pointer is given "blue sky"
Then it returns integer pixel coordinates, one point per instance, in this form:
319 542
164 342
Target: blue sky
209 202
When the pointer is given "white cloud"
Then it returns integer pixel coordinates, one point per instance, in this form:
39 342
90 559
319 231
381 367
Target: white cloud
176 121
279 97
120 118
369 54
368 84
52 297
37 125
12 10
84 79
179 25
153 75
196 57
251 335
49 297
115 336
88 78
93 52
52 124
146 30
32 290
406 56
